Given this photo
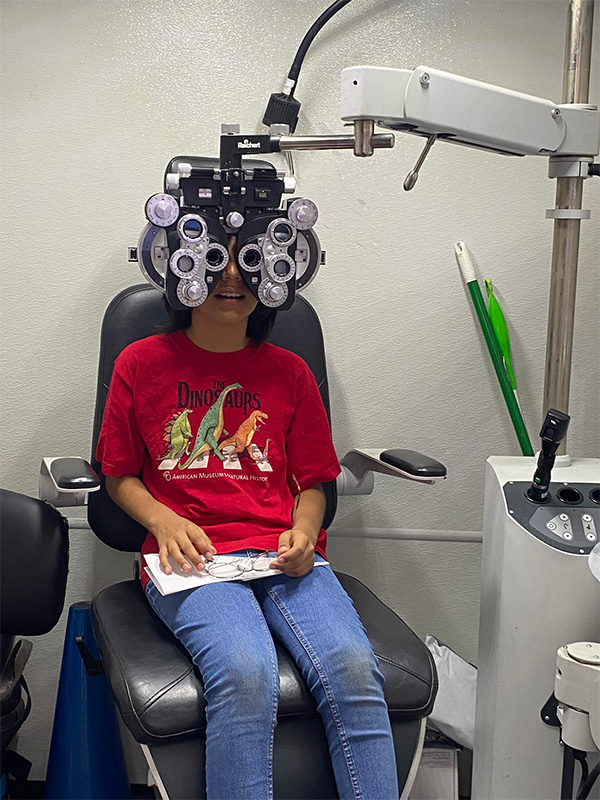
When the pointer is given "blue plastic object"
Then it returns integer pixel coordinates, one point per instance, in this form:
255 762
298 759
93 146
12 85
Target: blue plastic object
86 759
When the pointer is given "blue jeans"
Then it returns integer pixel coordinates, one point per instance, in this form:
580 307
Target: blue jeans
228 628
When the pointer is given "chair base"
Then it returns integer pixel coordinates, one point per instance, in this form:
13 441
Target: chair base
300 773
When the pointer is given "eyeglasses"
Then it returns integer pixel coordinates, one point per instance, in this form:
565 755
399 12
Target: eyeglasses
227 570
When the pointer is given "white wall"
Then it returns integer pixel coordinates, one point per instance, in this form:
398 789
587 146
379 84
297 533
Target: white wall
98 95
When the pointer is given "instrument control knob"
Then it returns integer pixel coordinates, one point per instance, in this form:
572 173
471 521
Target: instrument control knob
234 219
303 213
193 291
162 210
276 292
272 294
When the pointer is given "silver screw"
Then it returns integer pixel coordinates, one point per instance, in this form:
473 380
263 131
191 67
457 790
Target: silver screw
424 79
555 113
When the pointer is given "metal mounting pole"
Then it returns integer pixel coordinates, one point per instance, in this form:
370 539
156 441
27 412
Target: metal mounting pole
565 245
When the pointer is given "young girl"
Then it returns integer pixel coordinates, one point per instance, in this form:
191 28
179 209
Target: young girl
224 429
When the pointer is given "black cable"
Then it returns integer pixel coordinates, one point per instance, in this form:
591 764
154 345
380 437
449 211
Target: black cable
586 788
283 108
308 39
568 773
580 755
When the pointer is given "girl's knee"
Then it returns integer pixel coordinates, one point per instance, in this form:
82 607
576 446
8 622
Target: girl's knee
355 667
245 686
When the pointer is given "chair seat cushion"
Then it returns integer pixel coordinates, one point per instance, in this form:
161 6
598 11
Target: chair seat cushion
159 690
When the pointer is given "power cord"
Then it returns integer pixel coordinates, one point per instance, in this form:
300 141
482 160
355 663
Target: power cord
585 787
283 108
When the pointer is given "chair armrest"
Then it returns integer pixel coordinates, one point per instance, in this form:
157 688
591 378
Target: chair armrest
67 481
34 539
358 466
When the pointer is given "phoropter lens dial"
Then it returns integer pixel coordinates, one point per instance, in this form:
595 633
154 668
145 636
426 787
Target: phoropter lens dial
162 210
281 232
272 294
303 213
185 263
250 257
281 268
192 228
216 257
192 293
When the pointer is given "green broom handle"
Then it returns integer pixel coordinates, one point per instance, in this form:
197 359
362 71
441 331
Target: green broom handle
495 352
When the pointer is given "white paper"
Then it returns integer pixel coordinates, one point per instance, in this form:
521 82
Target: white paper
437 776
179 581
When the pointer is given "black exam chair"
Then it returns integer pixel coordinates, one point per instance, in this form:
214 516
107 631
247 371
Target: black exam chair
157 688
34 543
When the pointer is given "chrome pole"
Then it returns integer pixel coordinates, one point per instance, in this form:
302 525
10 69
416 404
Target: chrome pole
565 244
334 142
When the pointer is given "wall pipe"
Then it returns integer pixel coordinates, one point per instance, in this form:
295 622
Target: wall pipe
81 524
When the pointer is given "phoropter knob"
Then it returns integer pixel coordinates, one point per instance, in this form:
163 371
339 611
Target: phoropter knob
162 210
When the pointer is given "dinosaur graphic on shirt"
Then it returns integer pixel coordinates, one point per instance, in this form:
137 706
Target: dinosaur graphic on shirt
242 439
211 428
177 435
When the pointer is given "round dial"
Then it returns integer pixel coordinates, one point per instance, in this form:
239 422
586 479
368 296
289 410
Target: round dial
272 294
192 228
281 232
235 219
185 263
162 210
281 268
303 213
216 257
192 293
250 257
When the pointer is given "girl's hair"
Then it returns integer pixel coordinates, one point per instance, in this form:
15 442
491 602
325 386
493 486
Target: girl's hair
260 321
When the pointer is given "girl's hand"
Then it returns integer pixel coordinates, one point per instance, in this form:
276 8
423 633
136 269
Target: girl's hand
296 553
182 540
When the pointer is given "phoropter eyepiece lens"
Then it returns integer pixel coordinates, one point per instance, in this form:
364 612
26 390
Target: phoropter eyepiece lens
216 256
192 229
251 258
281 268
185 264
282 233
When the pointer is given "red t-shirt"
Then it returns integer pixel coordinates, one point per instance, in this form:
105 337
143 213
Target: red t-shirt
220 438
